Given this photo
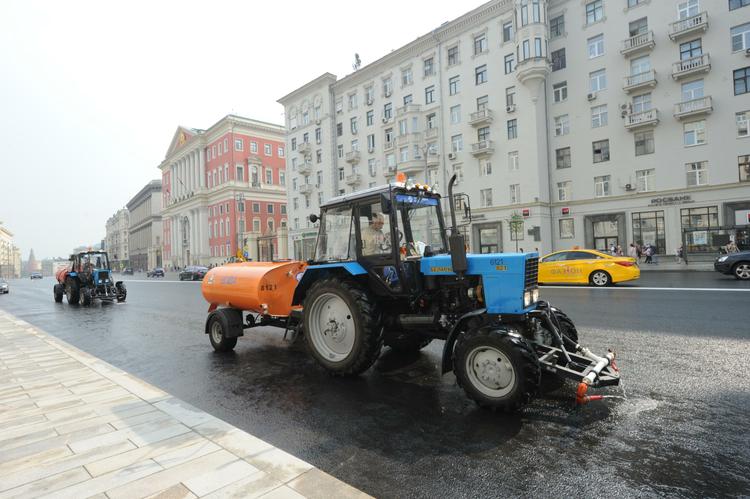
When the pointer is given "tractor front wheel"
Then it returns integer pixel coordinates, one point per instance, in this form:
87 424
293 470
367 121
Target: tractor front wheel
85 297
72 292
497 368
342 325
58 291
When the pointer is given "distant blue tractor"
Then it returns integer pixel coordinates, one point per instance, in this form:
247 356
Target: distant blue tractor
88 277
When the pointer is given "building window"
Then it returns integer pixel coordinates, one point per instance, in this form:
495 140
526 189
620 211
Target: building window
601 150
697 173
404 154
280 151
743 125
560 91
269 176
429 67
633 3
282 177
340 150
387 87
691 49
485 197
453 55
736 4
638 27
431 121
267 149
371 142
601 186
558 59
692 90
512 129
599 116
566 228
456 114
318 156
482 102
485 167
369 118
240 173
510 63
641 103
743 164
563 190
483 133
408 99
648 227
457 143
480 44
403 127
688 8
508 31
339 129
406 77
562 158
372 167
694 133
644 180
740 37
226 145
269 208
429 94
453 85
387 111
562 125
557 26
594 11
596 46
644 142
741 81
480 74
319 136
238 145
510 96
515 193
256 207
353 125
700 218
597 81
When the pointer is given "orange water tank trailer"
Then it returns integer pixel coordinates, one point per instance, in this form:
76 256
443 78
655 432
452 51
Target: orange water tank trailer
61 275
260 287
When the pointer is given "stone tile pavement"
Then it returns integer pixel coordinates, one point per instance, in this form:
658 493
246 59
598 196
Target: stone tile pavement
72 425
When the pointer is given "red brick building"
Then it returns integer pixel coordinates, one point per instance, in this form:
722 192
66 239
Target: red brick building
224 189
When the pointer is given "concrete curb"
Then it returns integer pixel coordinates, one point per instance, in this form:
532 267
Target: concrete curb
72 425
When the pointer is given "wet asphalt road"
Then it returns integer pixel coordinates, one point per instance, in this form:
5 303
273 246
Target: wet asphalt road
402 430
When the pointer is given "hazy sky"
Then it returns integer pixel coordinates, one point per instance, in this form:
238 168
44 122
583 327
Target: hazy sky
92 92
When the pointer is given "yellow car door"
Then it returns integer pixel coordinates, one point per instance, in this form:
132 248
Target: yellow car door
580 264
552 268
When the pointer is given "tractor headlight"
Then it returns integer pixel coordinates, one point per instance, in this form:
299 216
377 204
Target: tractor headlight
526 299
535 295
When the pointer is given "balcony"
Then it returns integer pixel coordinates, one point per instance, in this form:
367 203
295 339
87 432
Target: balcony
433 158
638 43
431 133
305 148
694 107
390 171
306 189
352 157
642 119
689 26
388 146
408 109
305 168
481 118
353 179
640 80
409 138
482 148
689 67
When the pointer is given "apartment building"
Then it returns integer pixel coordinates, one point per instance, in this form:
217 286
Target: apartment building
597 122
224 189
116 239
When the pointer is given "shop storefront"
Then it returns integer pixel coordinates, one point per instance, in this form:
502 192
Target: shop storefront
648 228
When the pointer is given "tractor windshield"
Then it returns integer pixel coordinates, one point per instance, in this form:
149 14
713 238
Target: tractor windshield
420 218
91 261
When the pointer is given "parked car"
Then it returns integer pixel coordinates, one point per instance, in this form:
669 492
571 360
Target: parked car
127 271
582 266
736 264
4 288
193 273
36 275
157 272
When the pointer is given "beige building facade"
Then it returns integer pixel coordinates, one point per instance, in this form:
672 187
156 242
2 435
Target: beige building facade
10 255
600 123
117 240
144 229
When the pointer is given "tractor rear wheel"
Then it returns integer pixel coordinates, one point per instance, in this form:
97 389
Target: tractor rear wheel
551 381
497 368
342 325
58 291
122 291
405 342
72 291
217 328
85 297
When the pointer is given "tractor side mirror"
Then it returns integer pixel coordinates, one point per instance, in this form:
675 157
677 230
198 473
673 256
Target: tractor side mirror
462 202
385 204
313 217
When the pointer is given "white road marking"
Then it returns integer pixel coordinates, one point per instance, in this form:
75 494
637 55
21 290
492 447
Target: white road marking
160 280
646 288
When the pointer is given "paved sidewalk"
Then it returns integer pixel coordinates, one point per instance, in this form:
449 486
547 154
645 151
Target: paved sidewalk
72 425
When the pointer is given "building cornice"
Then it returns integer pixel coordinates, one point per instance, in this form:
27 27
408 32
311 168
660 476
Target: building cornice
151 187
325 78
232 122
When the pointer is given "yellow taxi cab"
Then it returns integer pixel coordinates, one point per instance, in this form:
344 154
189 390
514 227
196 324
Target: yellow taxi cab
582 266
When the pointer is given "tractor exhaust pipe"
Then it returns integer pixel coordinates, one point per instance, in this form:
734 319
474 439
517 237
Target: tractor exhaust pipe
456 240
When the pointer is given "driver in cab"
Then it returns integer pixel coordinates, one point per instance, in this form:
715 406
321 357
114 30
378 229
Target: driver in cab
374 241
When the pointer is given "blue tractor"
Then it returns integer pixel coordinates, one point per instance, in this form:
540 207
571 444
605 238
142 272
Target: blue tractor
387 271
88 277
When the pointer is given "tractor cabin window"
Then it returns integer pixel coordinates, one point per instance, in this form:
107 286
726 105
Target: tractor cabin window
375 229
336 239
420 223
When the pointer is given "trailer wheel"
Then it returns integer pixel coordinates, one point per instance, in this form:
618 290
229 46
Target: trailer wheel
85 297
342 327
600 278
217 328
72 291
58 291
405 342
497 368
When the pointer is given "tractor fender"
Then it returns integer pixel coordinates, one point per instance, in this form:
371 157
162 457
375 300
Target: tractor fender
314 273
450 342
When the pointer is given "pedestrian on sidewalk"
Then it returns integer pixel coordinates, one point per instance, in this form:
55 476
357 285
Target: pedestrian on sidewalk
649 252
633 251
680 253
619 250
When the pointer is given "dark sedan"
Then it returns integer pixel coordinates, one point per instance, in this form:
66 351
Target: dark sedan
127 271
193 273
4 288
736 264
36 275
157 272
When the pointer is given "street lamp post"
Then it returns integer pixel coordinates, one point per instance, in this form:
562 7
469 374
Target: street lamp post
240 199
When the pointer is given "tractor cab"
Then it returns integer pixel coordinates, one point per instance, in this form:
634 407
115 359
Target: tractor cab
384 232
